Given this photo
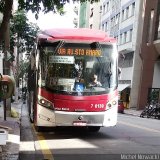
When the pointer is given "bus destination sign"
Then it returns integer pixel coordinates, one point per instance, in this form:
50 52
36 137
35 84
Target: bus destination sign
79 52
61 59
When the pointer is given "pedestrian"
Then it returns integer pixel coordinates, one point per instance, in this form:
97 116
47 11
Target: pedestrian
127 100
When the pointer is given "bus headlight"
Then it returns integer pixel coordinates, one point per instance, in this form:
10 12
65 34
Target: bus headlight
114 102
110 104
45 103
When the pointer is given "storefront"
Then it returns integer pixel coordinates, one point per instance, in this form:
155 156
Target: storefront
124 94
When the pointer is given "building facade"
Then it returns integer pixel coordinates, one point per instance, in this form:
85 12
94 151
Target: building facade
90 15
76 8
148 51
135 25
83 15
1 53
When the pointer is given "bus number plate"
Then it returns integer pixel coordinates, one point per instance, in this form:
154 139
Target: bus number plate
79 123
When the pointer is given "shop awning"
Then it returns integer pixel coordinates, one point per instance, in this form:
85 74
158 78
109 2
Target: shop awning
121 87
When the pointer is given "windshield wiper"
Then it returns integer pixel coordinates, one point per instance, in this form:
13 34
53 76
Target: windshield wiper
59 45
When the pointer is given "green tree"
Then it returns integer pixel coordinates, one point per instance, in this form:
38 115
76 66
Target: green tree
6 9
23 35
35 6
23 32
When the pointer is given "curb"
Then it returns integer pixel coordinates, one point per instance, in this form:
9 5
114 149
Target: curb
132 112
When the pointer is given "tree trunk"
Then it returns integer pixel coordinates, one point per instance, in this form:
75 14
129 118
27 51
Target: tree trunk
4 35
6 17
7 67
17 69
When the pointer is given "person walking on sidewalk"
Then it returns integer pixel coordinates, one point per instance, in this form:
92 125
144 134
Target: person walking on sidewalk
24 92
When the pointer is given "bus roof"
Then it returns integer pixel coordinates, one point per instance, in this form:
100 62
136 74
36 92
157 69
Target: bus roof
83 34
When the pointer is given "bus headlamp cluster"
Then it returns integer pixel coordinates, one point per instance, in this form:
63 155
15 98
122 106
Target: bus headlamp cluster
114 102
45 103
110 104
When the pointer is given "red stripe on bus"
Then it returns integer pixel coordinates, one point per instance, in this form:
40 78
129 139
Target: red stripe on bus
70 103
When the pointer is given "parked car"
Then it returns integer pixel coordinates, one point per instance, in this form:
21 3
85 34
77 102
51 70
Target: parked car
120 106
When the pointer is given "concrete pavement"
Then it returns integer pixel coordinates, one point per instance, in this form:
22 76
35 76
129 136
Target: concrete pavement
10 151
133 112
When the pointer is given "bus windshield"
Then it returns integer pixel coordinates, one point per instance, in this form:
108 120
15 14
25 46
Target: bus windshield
78 68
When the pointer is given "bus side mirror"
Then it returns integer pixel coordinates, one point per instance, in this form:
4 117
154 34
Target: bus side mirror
7 84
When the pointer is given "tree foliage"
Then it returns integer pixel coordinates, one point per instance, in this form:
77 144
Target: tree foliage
35 6
6 7
23 32
23 35
46 5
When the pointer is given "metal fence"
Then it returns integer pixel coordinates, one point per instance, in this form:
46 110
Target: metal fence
153 95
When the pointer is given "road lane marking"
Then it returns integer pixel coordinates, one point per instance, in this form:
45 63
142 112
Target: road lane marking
43 145
140 127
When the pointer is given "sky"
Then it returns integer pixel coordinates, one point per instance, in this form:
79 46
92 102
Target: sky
51 20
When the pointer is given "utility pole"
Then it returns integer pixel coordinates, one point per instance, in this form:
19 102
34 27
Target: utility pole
1 60
16 67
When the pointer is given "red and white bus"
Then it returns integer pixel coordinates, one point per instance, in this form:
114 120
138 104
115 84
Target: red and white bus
73 79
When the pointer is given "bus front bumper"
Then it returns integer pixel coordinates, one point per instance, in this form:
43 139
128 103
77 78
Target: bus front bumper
46 117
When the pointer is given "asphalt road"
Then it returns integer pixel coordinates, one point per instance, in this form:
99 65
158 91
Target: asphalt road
132 138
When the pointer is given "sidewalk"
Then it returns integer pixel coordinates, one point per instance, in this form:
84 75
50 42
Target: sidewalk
10 151
133 112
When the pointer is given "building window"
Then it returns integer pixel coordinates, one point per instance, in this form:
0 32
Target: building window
117 40
116 37
157 24
121 39
106 26
112 22
91 14
127 12
123 15
133 8
76 10
130 34
100 9
104 9
125 37
117 19
102 27
150 26
107 8
157 32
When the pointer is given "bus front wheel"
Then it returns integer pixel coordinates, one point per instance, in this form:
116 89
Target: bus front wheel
38 128
94 128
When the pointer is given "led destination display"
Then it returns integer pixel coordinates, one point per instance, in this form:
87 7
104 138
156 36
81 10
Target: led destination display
79 52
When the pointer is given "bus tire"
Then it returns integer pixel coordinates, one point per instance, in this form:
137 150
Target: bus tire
38 128
31 118
94 128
